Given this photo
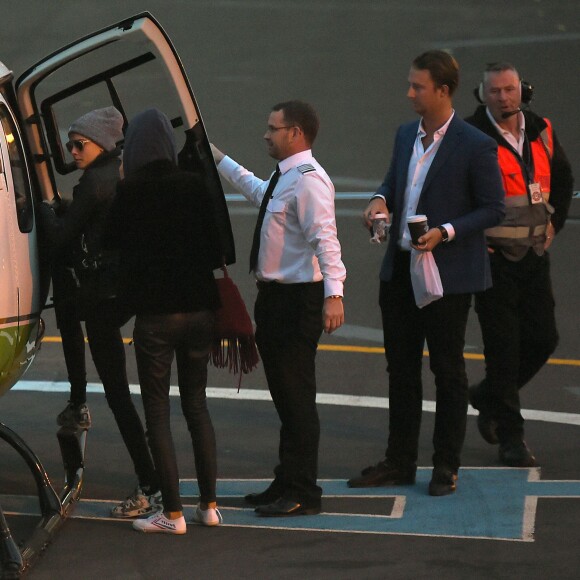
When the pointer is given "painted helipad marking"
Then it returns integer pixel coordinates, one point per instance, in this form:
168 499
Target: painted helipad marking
321 398
490 503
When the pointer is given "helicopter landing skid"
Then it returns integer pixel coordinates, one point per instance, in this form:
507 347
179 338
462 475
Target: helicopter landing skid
14 561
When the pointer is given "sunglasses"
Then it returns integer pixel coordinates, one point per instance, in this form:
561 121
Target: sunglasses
78 144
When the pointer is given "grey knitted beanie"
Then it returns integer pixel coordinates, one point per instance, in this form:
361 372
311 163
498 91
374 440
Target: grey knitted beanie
103 126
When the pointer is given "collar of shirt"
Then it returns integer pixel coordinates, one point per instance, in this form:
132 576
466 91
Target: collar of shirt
517 144
419 166
294 160
439 133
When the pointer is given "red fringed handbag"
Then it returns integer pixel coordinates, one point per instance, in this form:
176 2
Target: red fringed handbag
234 343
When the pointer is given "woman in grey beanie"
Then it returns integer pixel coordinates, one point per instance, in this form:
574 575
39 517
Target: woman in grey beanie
84 285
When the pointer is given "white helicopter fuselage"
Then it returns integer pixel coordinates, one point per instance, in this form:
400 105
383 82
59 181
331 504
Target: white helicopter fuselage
20 296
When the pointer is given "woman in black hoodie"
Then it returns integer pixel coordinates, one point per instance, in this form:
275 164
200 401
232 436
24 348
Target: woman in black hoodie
162 223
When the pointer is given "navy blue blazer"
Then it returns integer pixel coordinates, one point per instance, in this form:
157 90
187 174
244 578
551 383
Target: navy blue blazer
464 188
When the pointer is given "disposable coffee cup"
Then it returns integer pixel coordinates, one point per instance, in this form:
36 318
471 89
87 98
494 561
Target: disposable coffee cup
417 227
380 228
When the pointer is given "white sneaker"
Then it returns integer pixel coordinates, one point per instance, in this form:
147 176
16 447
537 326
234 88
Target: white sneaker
208 517
159 523
138 504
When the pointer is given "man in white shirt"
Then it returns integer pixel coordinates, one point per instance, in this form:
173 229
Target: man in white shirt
447 170
296 258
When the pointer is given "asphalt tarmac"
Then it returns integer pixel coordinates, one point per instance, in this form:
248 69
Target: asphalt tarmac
351 60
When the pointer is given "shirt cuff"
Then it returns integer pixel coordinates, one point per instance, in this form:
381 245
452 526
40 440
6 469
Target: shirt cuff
450 231
333 288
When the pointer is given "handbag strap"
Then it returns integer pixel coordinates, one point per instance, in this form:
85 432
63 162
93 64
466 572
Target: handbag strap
224 269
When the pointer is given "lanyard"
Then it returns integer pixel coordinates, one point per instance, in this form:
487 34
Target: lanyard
527 162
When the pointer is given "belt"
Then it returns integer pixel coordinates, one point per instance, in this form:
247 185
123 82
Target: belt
263 285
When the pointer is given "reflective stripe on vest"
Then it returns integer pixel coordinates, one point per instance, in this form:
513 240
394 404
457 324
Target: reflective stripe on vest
515 233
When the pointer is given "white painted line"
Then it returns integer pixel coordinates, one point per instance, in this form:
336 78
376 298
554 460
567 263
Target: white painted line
529 523
321 398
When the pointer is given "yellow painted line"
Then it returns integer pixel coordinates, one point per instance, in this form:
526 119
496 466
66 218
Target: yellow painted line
350 348
373 350
58 339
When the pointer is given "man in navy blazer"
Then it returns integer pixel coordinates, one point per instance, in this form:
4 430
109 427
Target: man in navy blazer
447 170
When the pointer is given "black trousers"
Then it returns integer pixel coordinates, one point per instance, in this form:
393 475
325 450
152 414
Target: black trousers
519 332
108 353
188 336
68 321
288 326
406 327
72 336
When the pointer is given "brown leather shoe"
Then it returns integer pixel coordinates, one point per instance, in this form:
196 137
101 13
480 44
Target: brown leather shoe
383 474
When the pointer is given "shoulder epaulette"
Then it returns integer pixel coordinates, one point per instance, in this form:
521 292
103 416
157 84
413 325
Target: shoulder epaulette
306 168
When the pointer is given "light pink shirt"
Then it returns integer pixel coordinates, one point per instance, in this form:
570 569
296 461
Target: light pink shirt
419 166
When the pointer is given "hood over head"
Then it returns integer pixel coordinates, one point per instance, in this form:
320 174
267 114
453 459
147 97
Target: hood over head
149 137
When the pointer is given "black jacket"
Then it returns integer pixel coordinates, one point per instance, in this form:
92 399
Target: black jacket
163 226
562 180
73 232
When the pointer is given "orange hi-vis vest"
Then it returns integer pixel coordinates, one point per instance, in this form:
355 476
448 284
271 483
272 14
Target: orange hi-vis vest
527 208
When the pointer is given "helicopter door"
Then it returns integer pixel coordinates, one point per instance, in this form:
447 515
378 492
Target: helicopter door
133 66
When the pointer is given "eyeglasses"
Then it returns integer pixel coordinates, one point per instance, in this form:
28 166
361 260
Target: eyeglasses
271 129
78 144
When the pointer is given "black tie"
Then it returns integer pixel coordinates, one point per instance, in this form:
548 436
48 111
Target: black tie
257 231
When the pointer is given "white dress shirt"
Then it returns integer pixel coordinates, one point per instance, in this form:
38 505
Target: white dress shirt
517 144
419 166
298 240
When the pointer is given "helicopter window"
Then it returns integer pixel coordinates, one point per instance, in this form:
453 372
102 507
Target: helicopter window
20 182
131 82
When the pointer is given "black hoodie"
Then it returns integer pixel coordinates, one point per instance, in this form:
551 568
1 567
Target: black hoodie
163 226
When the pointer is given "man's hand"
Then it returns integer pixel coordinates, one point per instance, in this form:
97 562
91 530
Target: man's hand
332 314
376 205
217 154
429 240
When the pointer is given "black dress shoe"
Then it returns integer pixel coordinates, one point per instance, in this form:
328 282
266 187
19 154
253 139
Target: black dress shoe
487 426
442 482
516 454
266 497
287 507
383 474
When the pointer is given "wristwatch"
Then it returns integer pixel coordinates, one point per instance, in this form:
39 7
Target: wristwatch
444 234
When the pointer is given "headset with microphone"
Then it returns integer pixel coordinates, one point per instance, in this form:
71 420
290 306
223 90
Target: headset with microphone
526 90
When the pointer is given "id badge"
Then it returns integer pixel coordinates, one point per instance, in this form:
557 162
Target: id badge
535 193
